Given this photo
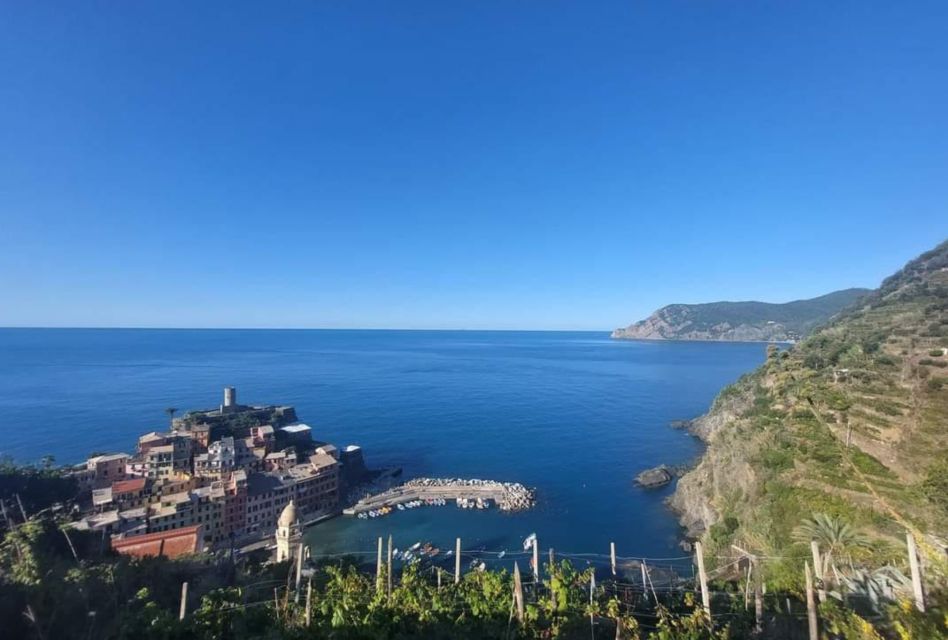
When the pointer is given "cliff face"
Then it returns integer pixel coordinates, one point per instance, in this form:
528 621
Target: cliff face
850 422
740 321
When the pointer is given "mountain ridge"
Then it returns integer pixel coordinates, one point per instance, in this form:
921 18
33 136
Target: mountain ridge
747 321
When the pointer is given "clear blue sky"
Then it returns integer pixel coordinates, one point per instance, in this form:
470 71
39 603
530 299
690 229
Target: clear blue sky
460 164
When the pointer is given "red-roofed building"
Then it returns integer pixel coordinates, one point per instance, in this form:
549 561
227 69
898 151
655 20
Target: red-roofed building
130 494
171 544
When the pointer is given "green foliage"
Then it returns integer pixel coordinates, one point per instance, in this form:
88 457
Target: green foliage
869 465
910 624
38 487
935 484
845 623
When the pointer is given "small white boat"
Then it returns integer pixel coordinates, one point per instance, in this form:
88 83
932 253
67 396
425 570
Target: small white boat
501 554
401 507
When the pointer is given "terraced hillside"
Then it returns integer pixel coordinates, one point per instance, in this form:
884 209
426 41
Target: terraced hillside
852 422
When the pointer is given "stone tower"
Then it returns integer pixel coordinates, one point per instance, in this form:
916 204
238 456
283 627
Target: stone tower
285 532
230 400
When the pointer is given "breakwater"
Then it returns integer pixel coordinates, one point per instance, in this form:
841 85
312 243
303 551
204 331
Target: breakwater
508 496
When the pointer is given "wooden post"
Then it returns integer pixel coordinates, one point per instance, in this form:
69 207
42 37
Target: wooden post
916 572
818 569
849 436
457 561
651 584
592 590
644 582
71 547
703 578
518 593
388 568
22 510
758 608
299 569
378 568
552 558
309 601
439 578
811 605
183 610
747 586
536 561
612 556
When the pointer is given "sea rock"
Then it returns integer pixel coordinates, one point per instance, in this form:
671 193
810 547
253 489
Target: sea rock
655 477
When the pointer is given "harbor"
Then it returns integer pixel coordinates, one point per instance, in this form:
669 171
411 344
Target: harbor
466 494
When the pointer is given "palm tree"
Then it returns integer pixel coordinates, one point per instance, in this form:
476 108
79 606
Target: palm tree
171 411
834 536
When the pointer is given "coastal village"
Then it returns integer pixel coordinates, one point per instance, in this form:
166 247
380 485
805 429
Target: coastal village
217 478
238 475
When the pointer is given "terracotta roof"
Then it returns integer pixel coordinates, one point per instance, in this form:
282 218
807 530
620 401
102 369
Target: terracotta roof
127 486
171 544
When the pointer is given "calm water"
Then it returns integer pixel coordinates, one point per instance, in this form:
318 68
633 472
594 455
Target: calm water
575 415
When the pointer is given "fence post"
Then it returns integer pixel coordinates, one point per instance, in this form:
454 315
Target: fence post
536 561
457 561
389 566
811 604
378 567
651 584
612 554
644 582
518 592
916 572
747 585
703 577
299 570
592 589
22 510
309 600
183 610
818 569
758 606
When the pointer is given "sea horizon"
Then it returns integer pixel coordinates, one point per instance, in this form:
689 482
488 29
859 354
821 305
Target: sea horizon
574 414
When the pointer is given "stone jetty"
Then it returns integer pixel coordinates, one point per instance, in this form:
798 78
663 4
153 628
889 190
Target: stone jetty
509 496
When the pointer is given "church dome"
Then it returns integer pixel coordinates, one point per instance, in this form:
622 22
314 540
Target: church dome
288 517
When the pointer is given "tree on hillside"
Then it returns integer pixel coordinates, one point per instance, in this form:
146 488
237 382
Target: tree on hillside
834 536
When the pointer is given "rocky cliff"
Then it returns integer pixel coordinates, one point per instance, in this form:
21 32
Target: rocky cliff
849 422
740 321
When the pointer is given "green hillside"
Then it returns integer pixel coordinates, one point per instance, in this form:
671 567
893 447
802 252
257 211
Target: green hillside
852 422
741 320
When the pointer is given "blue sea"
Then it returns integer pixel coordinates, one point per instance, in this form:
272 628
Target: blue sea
573 414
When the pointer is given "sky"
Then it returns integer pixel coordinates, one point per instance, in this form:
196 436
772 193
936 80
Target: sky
460 165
